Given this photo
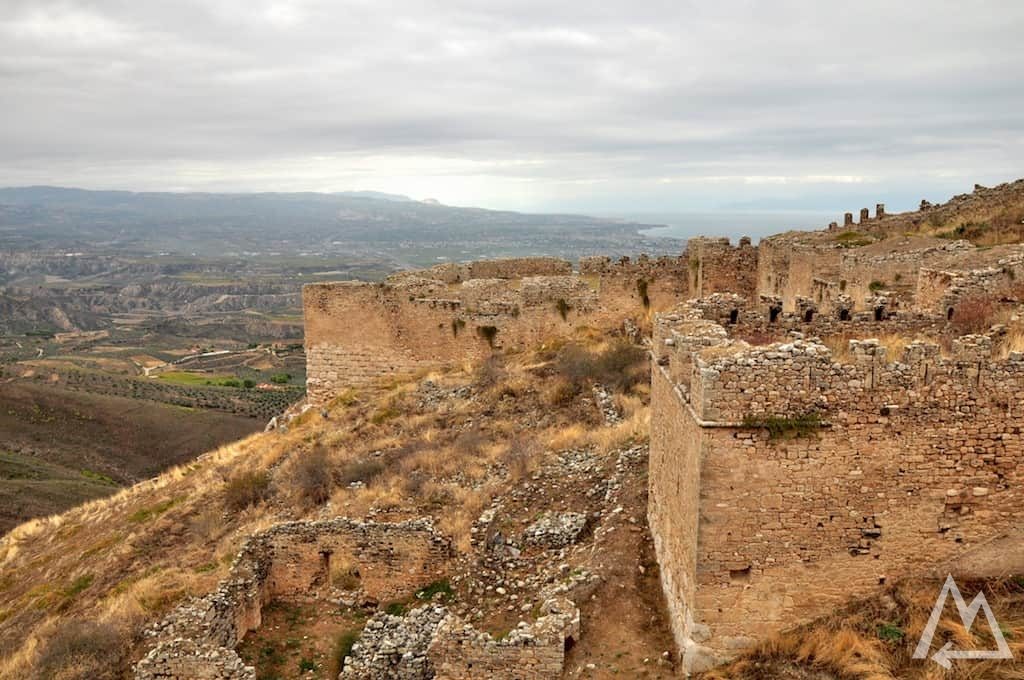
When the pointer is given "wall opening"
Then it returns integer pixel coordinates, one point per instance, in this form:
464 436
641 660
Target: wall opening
734 316
879 313
949 314
773 314
739 575
844 314
809 315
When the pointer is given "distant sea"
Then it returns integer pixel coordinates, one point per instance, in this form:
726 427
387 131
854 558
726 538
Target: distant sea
732 224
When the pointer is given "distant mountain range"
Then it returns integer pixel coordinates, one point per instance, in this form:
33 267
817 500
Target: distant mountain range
289 223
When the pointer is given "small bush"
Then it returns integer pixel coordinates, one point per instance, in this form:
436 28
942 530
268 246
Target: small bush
148 513
246 489
442 590
876 286
281 378
311 476
890 632
342 648
619 366
974 315
364 471
490 372
82 650
778 428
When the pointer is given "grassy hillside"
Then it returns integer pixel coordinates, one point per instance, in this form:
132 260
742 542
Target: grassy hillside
90 579
59 448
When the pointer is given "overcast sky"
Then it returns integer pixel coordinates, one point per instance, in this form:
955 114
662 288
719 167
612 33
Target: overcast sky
526 104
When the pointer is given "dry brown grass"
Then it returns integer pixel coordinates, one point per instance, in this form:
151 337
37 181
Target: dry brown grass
875 639
895 344
989 225
149 546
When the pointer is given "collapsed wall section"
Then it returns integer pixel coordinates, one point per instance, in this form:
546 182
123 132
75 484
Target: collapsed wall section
290 560
906 463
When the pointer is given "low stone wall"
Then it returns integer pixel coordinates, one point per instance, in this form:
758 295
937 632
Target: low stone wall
290 560
431 643
182 659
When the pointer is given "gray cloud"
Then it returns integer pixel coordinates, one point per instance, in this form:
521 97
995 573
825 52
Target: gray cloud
516 104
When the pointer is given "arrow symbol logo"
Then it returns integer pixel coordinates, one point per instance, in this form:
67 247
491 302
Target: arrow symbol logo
968 613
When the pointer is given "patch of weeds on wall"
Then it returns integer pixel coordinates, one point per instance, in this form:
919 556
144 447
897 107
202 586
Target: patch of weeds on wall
438 591
488 333
563 308
641 287
853 239
786 428
876 286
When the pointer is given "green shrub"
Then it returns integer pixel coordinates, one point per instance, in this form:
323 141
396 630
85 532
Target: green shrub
799 426
890 632
342 648
442 588
78 585
876 286
281 378
148 513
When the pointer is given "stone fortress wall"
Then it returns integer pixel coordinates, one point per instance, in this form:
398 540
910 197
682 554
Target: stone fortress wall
831 271
916 462
358 332
915 459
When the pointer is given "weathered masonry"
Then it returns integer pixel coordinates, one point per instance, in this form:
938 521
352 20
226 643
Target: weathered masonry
357 332
290 560
881 466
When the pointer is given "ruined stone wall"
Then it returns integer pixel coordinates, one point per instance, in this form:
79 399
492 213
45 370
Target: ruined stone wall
788 270
359 332
941 291
458 651
289 560
672 513
917 461
718 267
